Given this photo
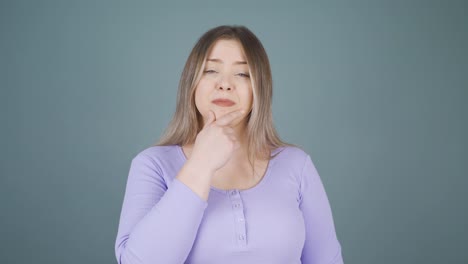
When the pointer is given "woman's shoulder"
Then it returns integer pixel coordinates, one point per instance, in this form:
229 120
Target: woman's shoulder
159 154
159 150
290 161
290 157
291 153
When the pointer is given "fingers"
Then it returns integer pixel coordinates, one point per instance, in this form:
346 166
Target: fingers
228 118
211 118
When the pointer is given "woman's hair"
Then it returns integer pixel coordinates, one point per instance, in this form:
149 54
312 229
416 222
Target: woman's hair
187 121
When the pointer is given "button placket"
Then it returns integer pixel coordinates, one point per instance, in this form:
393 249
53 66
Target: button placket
239 218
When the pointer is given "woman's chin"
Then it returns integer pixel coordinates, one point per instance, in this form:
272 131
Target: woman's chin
221 111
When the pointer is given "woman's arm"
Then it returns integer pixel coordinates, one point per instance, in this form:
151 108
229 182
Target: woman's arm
321 245
157 224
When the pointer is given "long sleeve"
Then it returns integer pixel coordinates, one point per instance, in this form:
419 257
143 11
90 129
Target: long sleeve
321 245
158 224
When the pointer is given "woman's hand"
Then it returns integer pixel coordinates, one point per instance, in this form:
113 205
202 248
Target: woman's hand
215 142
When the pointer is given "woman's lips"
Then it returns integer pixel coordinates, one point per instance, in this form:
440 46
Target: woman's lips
223 102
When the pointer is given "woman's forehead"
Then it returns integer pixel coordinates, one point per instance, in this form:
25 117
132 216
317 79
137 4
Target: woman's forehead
227 51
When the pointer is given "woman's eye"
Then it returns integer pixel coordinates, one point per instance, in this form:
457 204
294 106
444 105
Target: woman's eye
245 75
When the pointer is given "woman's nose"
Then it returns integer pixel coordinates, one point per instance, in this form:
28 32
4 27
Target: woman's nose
224 83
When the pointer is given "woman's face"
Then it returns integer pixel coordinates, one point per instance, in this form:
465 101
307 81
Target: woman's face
225 76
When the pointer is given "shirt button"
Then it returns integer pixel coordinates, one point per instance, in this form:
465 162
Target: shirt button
241 237
236 205
241 219
233 192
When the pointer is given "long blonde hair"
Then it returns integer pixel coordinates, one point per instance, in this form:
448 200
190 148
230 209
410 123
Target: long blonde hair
187 121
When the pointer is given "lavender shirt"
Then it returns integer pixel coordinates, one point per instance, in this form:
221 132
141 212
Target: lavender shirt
286 218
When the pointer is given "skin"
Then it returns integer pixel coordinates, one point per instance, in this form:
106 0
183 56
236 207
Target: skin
220 147
227 80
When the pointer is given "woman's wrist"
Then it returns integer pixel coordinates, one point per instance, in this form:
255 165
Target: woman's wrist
199 167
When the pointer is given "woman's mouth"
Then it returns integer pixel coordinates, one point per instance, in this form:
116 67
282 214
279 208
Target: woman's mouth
223 102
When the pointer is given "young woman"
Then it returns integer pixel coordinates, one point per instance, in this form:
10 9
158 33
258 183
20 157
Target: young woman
220 186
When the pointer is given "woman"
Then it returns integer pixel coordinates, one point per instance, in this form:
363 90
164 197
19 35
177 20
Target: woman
220 186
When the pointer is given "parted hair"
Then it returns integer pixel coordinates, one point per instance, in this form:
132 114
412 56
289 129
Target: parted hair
187 121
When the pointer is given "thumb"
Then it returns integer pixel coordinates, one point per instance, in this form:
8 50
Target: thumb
210 119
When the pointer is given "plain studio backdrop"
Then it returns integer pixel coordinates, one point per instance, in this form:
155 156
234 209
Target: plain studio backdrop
375 91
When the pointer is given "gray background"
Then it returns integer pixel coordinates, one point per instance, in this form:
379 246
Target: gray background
374 91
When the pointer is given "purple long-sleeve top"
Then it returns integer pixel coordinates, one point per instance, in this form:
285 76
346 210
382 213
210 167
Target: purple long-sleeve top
286 218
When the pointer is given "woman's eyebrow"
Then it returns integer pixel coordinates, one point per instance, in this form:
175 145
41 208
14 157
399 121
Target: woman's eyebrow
221 61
